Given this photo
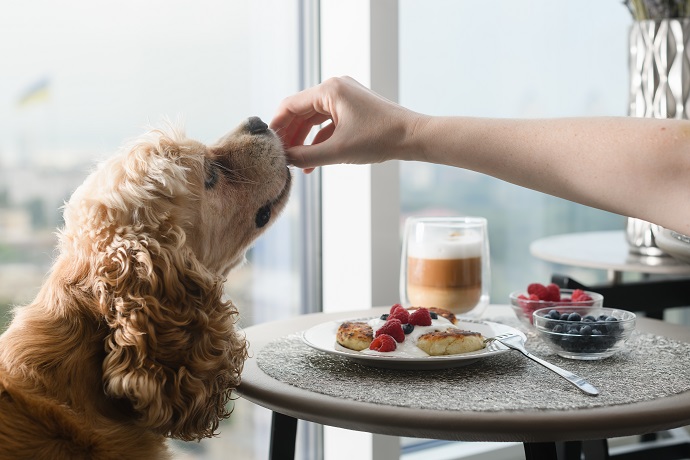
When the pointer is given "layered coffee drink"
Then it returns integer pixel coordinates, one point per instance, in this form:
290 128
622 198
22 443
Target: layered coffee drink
445 272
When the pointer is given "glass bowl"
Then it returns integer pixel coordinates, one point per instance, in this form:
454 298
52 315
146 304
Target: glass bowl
585 333
523 308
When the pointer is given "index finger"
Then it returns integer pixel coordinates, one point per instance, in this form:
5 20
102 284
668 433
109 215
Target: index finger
297 114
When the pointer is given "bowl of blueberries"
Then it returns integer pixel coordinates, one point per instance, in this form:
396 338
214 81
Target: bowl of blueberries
585 333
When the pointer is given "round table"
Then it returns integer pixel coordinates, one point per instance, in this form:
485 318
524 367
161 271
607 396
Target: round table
606 251
534 428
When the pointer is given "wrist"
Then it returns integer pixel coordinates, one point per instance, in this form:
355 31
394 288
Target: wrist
413 144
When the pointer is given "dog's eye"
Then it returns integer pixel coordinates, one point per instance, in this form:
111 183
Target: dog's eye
263 216
211 176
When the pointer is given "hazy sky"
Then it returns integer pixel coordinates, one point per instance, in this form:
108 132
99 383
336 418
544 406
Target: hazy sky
507 58
114 67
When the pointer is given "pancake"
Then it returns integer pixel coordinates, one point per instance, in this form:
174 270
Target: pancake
450 342
355 335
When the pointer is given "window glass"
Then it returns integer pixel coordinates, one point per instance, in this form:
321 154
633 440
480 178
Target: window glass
79 78
506 59
548 58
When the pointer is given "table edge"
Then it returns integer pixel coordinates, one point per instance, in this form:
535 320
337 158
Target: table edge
672 270
553 425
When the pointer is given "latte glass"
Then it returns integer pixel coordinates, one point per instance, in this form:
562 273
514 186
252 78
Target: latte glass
445 263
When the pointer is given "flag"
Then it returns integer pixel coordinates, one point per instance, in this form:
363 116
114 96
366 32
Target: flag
36 93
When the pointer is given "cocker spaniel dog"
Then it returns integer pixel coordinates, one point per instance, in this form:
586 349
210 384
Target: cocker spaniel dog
130 341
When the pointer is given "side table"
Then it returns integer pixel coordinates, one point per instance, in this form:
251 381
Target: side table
609 251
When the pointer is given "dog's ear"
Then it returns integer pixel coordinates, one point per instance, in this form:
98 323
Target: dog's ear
172 350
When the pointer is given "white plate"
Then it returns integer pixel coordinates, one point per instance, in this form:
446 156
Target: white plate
322 337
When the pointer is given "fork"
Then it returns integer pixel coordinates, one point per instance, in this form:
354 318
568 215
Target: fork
516 342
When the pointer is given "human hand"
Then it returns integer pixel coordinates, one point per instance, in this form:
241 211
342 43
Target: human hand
364 127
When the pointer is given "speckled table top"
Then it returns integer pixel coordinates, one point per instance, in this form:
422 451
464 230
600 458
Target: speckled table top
508 381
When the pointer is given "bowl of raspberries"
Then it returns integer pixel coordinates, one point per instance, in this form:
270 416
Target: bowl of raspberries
539 296
585 333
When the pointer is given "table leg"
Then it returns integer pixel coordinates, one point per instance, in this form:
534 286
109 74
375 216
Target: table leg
283 437
569 450
614 277
596 449
540 451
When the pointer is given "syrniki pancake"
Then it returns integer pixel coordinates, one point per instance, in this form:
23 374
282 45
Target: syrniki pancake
450 342
355 335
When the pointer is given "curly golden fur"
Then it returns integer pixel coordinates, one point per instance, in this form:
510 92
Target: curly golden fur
129 340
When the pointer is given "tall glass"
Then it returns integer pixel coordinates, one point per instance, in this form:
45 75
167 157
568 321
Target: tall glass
445 263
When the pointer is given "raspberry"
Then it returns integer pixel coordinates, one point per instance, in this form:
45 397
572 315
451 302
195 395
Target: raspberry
525 299
401 314
384 343
532 297
392 327
527 306
396 307
420 317
580 296
554 292
539 290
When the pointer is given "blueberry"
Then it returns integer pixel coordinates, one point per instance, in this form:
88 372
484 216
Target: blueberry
570 343
586 330
596 332
385 316
573 330
574 317
565 316
601 318
600 343
553 314
407 328
433 315
558 328
589 319
612 325
601 326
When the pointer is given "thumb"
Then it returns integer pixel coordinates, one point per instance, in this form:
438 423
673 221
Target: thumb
308 156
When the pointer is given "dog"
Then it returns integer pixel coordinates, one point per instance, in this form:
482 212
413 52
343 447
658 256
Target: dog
129 340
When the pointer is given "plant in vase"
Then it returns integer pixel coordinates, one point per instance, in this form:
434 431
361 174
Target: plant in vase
658 9
659 83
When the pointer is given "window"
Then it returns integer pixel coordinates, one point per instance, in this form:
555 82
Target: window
78 79
513 60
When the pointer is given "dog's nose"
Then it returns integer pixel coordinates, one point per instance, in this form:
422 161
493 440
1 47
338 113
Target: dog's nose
256 126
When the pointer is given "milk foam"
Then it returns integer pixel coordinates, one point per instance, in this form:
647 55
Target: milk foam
408 348
448 246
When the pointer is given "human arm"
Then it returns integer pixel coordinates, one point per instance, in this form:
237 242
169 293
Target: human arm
631 166
634 167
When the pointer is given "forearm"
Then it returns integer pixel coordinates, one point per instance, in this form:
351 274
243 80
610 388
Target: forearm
634 167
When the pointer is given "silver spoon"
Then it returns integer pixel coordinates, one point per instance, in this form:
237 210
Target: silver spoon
516 342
